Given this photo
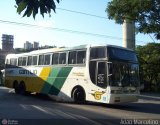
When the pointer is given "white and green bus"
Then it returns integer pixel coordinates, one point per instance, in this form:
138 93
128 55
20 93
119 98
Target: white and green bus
96 73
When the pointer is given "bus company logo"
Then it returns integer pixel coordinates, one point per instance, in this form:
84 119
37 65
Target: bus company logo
97 95
4 121
27 72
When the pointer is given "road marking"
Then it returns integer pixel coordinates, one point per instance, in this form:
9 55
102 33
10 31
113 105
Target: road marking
85 119
26 107
42 110
63 114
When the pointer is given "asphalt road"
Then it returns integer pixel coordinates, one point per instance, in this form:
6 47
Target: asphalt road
41 110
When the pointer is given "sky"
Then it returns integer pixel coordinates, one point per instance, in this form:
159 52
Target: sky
56 34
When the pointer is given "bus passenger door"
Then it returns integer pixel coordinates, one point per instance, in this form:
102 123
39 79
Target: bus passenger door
101 74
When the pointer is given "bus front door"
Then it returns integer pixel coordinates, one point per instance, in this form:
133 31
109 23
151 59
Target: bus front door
101 74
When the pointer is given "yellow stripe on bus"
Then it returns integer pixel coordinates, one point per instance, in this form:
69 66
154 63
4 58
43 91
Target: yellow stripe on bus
39 82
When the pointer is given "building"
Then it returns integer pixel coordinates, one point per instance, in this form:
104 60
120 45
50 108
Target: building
7 48
35 45
28 45
7 42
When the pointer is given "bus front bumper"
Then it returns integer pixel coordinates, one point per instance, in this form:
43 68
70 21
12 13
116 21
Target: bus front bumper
123 98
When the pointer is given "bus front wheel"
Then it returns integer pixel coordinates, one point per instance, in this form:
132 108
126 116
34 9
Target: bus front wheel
78 95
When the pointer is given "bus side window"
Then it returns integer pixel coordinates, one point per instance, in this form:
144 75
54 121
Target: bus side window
81 57
62 58
47 59
13 61
55 58
29 60
41 60
7 61
20 59
24 60
98 53
34 60
72 57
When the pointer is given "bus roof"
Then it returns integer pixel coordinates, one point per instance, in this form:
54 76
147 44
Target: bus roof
51 50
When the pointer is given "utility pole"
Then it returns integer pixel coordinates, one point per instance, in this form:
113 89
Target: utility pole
129 34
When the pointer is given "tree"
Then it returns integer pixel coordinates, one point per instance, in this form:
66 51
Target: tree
149 59
145 13
33 6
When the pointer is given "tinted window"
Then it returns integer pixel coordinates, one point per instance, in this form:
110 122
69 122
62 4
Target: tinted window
117 53
47 59
98 53
24 61
7 61
13 61
62 58
72 57
41 60
92 71
34 60
124 74
20 59
55 58
81 57
29 60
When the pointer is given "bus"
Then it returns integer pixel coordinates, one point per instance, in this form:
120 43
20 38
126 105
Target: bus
94 73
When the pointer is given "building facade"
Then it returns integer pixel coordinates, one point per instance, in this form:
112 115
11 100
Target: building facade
7 42
35 45
28 45
7 48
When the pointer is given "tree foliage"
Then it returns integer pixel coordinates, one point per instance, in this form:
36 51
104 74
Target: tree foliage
145 13
149 59
32 7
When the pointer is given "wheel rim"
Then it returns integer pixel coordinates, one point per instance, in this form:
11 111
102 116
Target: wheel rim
78 95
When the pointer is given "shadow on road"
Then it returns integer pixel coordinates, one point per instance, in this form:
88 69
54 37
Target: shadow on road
135 107
150 98
142 107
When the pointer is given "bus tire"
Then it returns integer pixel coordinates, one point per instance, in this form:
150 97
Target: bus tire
16 87
78 95
22 88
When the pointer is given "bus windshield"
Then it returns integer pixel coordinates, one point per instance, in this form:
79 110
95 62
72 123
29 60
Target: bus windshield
124 67
124 74
121 54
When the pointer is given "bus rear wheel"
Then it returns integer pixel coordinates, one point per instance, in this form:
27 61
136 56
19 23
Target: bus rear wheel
16 87
22 88
78 95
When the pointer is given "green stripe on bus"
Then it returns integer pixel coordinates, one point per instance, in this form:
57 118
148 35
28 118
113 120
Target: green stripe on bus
60 80
50 80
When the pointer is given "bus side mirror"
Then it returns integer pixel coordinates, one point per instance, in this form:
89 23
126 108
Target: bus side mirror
110 68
